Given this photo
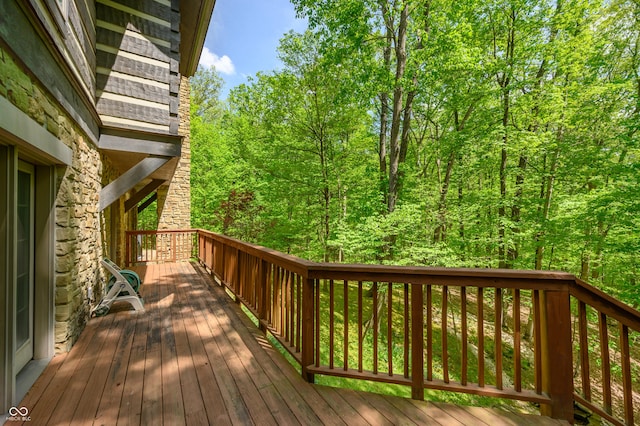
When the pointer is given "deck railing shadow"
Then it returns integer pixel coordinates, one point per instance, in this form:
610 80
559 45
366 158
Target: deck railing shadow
537 336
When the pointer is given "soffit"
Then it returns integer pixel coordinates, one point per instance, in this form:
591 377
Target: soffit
195 16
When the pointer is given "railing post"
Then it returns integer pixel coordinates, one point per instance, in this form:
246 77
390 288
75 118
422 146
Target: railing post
127 251
557 354
417 342
308 310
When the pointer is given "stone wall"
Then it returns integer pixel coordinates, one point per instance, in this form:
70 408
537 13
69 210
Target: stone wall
78 241
174 200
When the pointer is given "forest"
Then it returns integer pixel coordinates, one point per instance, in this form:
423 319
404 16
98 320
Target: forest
476 133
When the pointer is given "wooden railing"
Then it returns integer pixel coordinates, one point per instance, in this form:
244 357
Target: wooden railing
541 337
609 375
159 246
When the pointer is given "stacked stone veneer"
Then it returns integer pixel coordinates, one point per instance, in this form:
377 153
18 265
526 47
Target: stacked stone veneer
78 240
174 200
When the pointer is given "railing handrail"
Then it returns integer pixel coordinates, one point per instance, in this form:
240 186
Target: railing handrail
159 231
612 307
416 274
295 263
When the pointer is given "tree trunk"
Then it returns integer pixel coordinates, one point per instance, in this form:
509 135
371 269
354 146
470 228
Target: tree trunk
547 193
440 233
504 80
514 251
384 119
502 216
397 111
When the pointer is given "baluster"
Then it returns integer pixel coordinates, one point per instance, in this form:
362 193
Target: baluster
537 342
298 311
390 328
584 351
606 366
290 309
286 306
283 302
269 292
517 373
360 326
263 306
480 337
345 299
277 297
308 328
463 320
406 330
429 333
255 271
128 257
317 312
445 349
498 337
331 324
627 386
375 327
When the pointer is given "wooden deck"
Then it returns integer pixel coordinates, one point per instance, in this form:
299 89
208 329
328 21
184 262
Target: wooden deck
195 358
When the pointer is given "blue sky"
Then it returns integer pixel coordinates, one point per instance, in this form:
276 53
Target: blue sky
243 37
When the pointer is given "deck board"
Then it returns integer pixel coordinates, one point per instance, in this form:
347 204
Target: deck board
194 358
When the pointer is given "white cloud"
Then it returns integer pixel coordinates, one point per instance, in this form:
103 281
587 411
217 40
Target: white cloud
222 64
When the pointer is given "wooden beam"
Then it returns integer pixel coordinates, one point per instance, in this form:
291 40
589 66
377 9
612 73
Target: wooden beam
145 143
147 203
129 179
140 195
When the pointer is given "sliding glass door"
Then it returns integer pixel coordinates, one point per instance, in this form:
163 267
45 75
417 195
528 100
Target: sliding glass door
24 291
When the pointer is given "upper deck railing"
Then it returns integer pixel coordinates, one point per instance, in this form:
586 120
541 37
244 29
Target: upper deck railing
537 336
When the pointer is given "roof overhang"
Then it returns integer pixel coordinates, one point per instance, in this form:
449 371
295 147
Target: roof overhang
195 16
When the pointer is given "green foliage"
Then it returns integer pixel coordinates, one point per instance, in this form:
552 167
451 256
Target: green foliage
523 145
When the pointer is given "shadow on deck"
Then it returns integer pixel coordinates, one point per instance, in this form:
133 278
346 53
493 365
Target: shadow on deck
195 358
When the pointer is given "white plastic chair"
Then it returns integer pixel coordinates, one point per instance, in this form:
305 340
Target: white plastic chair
120 291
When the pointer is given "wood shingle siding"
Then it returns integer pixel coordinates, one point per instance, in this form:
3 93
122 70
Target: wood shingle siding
134 89
129 65
136 43
125 110
86 36
137 64
87 15
135 23
142 7
72 39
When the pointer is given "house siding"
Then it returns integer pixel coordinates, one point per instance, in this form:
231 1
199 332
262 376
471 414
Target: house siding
68 78
137 65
